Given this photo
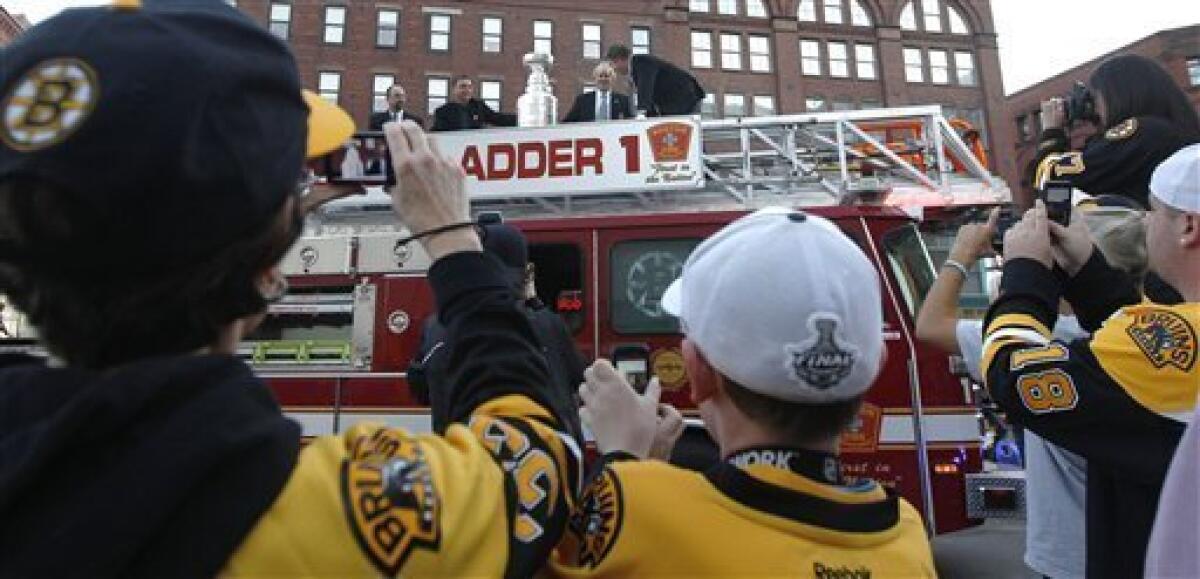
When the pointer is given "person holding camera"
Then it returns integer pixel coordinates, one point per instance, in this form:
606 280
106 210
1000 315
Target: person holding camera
141 230
1056 479
1142 117
1118 399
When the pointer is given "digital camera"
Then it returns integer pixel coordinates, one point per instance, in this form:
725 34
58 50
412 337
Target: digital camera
1080 104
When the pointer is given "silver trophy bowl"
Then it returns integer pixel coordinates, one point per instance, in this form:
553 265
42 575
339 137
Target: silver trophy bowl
538 107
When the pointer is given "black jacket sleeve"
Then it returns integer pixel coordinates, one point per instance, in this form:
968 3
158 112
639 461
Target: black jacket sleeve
443 120
1099 290
645 69
624 104
575 115
494 118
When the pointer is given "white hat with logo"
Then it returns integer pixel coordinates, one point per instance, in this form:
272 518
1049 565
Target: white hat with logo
1176 181
784 304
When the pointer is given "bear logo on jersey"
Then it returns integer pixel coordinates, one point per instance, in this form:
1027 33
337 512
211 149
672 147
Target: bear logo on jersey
1165 338
597 522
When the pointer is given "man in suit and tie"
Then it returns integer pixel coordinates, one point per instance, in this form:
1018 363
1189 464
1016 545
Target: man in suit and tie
396 98
601 104
661 88
464 111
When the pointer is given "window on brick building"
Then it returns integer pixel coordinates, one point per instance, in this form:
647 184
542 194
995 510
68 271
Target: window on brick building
698 5
1023 132
975 116
591 41
731 51
858 14
489 93
708 107
439 32
957 24
832 11
964 68
543 36
735 105
701 49
843 104
756 9
839 60
335 24
760 53
1193 70
329 85
814 104
908 19
281 19
807 11
639 40
914 65
939 67
764 105
437 90
380 83
931 11
493 34
727 7
387 28
810 58
869 104
864 61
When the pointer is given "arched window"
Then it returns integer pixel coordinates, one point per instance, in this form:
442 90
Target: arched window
908 19
957 24
858 14
756 9
931 15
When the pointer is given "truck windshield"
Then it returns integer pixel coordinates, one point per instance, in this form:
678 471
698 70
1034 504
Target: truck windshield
910 264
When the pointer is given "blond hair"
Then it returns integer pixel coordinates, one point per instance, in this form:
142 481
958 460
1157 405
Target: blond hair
1120 235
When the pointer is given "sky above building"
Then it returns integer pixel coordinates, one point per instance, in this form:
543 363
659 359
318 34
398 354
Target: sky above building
1038 38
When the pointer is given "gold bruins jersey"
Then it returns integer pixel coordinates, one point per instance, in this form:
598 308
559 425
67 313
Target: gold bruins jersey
480 502
754 519
1119 399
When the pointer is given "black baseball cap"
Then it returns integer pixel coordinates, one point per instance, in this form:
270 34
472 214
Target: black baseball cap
177 126
508 244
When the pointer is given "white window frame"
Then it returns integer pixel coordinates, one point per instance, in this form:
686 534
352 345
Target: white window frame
838 55
957 24
435 96
592 48
1193 70
764 101
731 51
382 27
760 55
756 9
728 102
276 20
640 47
832 11
939 65
492 41
931 15
864 62
806 11
699 6
379 91
543 36
908 17
914 68
708 107
964 68
727 7
810 57
329 85
702 49
815 103
439 39
331 28
859 15
491 92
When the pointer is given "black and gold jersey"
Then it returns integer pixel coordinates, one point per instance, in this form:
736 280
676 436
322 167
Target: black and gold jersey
1118 161
1119 399
743 518
489 499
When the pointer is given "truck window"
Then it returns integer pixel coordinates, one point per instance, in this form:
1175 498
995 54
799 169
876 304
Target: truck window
558 268
910 265
640 271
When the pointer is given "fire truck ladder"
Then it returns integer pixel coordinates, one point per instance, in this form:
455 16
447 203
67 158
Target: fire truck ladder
905 156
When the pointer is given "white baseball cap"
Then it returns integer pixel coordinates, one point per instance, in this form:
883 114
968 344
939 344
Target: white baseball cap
1176 181
784 304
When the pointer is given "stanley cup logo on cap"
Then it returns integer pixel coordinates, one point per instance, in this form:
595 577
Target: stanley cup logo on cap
822 361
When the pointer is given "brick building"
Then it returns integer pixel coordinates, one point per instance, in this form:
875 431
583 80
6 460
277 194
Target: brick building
1177 50
755 57
11 26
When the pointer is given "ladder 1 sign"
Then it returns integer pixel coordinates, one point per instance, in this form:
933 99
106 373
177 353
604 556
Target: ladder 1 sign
634 155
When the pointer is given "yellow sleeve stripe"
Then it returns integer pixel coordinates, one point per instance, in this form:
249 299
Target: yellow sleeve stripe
515 405
989 353
1019 320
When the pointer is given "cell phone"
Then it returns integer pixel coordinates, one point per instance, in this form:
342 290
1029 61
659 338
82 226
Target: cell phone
1056 195
1005 220
363 159
632 362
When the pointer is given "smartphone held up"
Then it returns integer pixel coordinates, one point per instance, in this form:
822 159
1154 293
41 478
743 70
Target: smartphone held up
362 160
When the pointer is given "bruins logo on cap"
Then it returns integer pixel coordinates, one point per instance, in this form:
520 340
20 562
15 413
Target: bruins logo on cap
1165 338
823 361
48 103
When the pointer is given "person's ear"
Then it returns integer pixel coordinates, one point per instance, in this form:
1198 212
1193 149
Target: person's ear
272 285
1189 230
703 379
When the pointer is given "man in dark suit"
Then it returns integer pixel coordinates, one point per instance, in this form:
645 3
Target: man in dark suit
464 111
661 88
396 98
601 104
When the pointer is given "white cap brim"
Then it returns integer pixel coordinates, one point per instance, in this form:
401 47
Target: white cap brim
672 299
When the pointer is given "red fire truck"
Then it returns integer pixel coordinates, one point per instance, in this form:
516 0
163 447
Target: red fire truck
607 237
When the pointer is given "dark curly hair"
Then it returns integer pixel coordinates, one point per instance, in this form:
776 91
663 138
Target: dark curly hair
101 321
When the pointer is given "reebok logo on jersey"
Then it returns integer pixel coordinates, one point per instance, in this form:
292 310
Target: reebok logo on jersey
822 572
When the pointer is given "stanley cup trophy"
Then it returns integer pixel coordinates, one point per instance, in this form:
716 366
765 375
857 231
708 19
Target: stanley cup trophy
538 107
